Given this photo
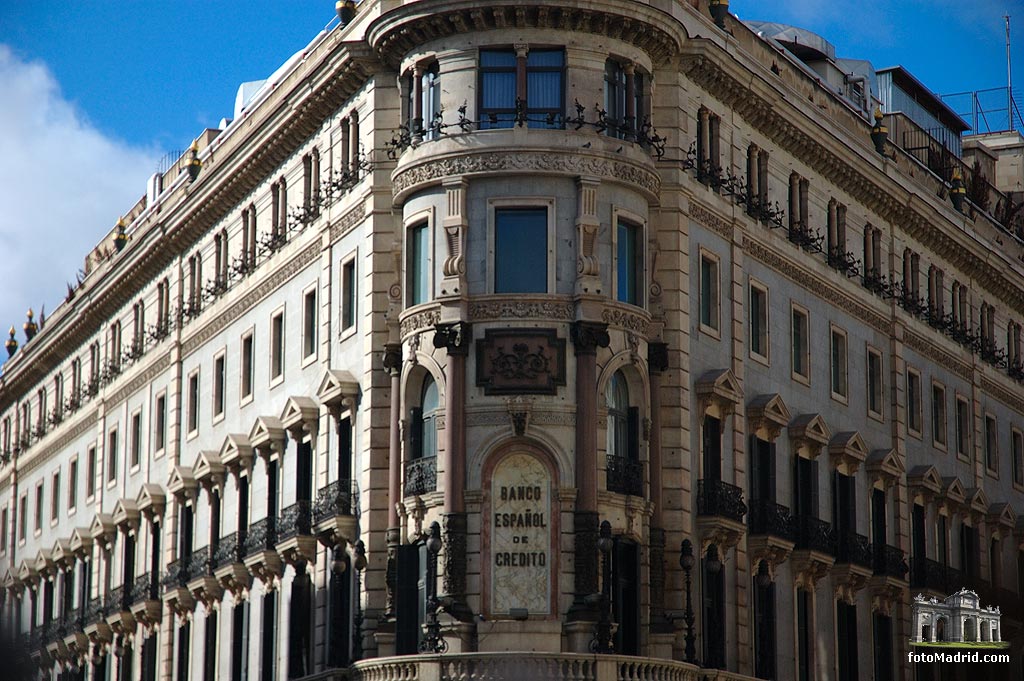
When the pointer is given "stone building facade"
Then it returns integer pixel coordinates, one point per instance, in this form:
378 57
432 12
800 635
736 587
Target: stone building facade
571 340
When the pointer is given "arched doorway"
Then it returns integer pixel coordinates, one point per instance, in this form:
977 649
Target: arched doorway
926 632
940 630
984 631
970 629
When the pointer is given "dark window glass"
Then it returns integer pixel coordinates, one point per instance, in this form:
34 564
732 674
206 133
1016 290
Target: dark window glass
630 264
417 266
521 250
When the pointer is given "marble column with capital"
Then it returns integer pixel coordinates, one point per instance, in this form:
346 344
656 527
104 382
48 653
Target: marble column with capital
587 337
455 338
393 366
657 362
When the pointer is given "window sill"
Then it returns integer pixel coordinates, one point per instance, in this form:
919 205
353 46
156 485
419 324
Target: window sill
916 434
347 332
135 468
217 418
246 401
158 453
308 360
276 381
941 446
876 416
801 379
710 331
760 359
192 435
994 474
965 458
840 398
72 511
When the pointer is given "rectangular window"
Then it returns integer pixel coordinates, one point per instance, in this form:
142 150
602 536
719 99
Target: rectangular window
913 401
417 264
136 443
876 393
160 426
348 295
218 385
526 86
629 264
22 517
801 344
3 531
709 293
247 366
309 324
839 366
963 427
758 301
938 415
991 443
112 456
192 405
1017 447
623 99
55 497
521 250
38 524
277 346
73 484
90 473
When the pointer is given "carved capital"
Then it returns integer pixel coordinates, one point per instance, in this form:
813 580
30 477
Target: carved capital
657 357
393 358
454 337
587 337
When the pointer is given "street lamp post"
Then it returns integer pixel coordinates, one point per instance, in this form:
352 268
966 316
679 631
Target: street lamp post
357 618
686 561
432 641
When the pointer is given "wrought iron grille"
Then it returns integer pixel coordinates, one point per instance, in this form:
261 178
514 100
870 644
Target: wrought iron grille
889 561
228 551
420 476
338 498
116 601
175 575
854 548
93 611
198 563
625 476
143 588
261 536
717 498
295 521
768 517
815 535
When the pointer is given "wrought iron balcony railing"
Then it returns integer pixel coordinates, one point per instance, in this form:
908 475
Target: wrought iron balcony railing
890 561
854 548
338 498
175 576
717 498
261 536
926 573
295 520
815 535
420 476
228 551
116 600
198 564
93 611
768 517
625 476
145 587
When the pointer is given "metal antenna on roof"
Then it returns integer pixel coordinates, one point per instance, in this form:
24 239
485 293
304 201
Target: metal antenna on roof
1009 78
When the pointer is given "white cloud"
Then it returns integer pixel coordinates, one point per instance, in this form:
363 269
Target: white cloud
63 185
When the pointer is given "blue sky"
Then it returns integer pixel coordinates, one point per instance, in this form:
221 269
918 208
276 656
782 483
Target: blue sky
96 91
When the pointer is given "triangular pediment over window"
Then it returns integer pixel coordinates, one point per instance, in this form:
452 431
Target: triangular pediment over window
300 413
768 414
925 479
338 389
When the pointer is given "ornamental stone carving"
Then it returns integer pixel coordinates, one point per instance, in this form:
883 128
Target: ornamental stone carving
520 361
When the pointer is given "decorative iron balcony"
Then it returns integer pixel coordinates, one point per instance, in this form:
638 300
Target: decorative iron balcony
229 550
768 517
854 548
93 611
116 601
926 573
717 498
175 575
198 564
338 498
815 535
145 587
261 536
890 562
625 476
420 476
295 521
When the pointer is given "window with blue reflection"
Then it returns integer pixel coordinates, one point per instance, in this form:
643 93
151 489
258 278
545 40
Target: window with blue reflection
521 250
417 265
543 103
629 266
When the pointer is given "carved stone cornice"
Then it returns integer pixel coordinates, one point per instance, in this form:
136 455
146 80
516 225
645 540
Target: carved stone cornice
396 33
510 161
504 308
419 321
930 349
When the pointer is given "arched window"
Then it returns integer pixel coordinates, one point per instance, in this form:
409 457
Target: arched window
420 464
624 471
